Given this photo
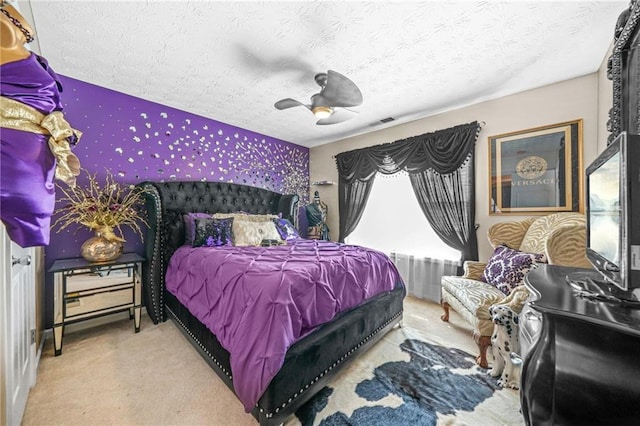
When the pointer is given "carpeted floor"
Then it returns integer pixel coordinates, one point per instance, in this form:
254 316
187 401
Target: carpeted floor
110 376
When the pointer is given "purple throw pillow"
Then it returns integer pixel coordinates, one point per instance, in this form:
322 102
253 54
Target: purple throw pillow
507 267
213 232
286 230
190 225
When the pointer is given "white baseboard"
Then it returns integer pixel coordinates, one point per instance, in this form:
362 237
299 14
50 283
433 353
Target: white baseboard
46 334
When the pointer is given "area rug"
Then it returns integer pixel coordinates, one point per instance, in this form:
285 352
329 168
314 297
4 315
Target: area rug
407 379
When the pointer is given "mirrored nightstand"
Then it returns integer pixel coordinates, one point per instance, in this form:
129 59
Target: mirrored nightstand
84 290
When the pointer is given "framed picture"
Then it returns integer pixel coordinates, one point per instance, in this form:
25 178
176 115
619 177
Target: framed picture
536 171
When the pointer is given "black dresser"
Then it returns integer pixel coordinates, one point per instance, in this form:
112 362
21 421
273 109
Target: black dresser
581 357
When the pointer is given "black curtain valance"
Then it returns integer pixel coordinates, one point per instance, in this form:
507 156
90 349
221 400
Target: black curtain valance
441 168
443 151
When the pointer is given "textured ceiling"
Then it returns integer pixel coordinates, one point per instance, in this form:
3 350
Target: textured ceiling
231 61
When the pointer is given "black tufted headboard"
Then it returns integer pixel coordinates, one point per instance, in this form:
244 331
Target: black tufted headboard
166 202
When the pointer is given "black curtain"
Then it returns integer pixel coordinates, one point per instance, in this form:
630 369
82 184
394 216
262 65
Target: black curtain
432 157
352 198
448 202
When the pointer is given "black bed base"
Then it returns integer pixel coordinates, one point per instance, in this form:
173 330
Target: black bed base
310 363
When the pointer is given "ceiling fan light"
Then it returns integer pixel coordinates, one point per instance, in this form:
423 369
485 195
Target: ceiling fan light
322 111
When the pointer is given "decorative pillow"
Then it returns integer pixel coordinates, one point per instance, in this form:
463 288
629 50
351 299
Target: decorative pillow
246 233
190 225
286 230
211 232
246 216
507 267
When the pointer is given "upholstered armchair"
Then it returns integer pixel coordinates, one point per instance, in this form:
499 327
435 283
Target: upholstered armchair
560 236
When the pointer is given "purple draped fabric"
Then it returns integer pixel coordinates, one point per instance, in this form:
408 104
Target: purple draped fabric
258 301
27 191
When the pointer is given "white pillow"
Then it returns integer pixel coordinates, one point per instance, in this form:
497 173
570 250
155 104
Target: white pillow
247 233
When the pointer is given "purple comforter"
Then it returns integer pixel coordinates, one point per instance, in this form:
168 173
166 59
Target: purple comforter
258 301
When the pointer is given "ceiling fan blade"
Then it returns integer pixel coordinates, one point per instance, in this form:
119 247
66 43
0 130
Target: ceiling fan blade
289 103
338 116
340 91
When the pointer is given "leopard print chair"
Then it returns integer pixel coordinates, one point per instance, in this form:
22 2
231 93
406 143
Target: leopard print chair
560 236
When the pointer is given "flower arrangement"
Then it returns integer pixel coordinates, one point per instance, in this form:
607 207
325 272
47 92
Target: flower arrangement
102 208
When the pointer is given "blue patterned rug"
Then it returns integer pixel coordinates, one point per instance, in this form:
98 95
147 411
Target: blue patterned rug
404 380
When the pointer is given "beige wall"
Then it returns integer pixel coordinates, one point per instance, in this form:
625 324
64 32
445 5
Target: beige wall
569 100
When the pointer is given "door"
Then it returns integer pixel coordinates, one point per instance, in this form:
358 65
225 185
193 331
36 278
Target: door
18 322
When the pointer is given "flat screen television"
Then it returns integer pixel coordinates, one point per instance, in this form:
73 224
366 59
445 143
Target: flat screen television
613 212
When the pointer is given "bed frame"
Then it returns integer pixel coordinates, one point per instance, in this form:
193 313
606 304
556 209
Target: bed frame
312 361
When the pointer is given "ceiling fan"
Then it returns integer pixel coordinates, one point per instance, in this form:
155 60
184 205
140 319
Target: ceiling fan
337 91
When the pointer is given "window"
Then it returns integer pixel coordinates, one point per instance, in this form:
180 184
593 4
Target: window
393 222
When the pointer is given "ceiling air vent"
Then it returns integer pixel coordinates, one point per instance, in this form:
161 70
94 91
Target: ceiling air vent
383 121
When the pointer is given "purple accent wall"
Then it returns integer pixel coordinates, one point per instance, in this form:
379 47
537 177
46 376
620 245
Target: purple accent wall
138 140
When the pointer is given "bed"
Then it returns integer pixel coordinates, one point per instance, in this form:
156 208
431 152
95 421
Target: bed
311 360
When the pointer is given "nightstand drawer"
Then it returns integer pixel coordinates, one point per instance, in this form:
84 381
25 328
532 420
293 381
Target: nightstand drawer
103 302
84 281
